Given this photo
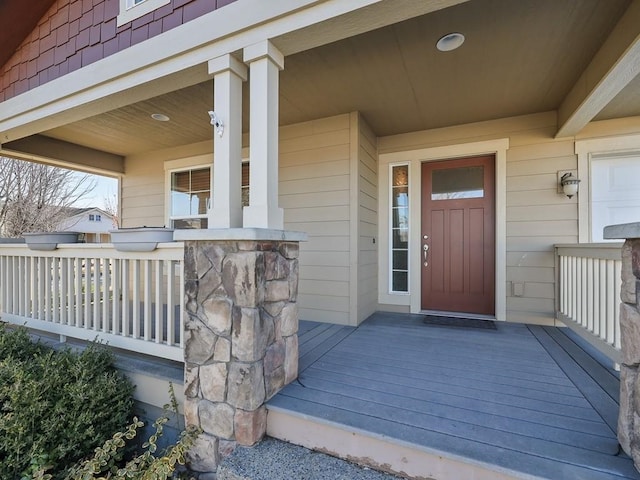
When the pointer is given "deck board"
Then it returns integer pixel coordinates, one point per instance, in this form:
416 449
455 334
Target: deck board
523 398
315 342
606 406
603 376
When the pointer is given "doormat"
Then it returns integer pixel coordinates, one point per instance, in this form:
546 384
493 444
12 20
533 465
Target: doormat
459 322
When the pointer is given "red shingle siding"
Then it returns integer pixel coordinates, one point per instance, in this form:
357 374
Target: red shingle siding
76 33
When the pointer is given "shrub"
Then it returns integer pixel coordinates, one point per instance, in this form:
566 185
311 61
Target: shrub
56 407
107 461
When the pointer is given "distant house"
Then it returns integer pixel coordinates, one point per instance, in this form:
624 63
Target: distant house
93 222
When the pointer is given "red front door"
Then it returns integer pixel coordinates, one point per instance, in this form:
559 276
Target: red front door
458 235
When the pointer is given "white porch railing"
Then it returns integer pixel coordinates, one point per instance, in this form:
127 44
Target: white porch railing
589 283
131 300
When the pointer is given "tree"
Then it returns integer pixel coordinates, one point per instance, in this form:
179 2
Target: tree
110 204
35 197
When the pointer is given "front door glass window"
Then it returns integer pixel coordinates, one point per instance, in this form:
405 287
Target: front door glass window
457 183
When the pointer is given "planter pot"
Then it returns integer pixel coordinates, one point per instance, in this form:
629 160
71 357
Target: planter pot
49 240
141 239
11 240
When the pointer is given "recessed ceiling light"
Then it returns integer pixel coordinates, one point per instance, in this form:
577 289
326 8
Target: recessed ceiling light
450 41
160 117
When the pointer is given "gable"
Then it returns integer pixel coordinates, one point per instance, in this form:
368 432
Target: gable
17 20
71 34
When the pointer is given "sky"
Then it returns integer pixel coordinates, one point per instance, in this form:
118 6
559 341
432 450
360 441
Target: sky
105 187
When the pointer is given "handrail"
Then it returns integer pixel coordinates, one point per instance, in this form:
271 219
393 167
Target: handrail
131 300
588 299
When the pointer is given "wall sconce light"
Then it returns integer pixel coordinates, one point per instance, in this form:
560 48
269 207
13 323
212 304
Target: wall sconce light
216 122
569 184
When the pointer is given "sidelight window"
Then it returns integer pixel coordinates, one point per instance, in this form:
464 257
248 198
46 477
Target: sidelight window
399 222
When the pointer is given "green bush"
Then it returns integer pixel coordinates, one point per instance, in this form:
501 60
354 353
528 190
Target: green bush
56 407
108 461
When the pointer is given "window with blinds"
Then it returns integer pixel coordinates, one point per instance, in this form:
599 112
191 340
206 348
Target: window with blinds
191 194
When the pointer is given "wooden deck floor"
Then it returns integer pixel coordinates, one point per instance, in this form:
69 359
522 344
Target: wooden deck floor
524 399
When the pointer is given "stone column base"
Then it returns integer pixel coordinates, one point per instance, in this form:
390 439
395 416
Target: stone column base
241 343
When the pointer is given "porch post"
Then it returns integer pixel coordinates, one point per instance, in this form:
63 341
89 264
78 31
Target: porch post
226 210
240 334
629 416
265 61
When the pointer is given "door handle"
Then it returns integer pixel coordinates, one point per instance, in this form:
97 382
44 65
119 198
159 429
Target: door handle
425 251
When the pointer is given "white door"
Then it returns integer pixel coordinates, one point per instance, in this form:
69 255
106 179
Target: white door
615 196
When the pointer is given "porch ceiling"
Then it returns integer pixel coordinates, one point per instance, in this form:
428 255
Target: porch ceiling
519 58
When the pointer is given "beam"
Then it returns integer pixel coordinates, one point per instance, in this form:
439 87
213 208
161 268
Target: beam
41 149
612 68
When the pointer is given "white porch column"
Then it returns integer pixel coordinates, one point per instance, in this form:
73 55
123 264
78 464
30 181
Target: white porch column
265 61
226 208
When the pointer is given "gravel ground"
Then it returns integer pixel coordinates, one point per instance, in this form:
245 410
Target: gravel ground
276 460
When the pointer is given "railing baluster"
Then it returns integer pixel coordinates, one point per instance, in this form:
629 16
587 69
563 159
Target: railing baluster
615 339
104 295
87 293
136 298
14 284
159 301
115 296
96 289
63 290
48 278
588 296
21 292
564 268
126 290
147 298
78 291
182 314
598 290
27 283
171 277
71 313
4 286
611 307
55 278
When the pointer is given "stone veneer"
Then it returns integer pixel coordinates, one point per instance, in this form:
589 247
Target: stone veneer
629 416
241 343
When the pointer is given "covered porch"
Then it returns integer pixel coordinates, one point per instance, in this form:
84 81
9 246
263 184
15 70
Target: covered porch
517 401
433 401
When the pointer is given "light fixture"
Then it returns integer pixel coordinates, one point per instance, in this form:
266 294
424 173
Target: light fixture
569 184
450 41
160 117
216 122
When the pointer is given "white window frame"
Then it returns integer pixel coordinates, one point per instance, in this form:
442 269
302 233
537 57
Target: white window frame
129 10
184 164
586 150
169 217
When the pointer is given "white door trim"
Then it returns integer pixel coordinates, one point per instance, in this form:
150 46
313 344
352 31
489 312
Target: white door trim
415 158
